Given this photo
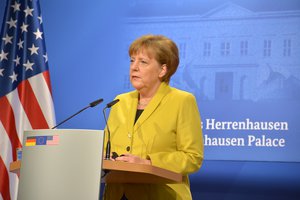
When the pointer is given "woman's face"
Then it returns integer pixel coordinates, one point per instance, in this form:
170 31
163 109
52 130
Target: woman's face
145 72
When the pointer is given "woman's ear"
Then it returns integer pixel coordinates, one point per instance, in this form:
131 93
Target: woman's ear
163 71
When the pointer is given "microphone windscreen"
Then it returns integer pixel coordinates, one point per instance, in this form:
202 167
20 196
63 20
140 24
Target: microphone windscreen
94 103
112 103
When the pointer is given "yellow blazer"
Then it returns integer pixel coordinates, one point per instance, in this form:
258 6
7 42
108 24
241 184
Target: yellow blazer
168 132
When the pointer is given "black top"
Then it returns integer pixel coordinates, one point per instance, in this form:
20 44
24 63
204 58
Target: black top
138 114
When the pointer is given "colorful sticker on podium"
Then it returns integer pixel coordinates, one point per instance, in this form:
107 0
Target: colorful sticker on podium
42 140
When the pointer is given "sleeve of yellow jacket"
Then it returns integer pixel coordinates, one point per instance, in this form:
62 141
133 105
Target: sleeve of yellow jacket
188 155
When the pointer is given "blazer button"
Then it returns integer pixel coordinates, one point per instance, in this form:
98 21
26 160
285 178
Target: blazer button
128 148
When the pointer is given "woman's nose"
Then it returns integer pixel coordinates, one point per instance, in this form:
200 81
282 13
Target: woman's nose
134 66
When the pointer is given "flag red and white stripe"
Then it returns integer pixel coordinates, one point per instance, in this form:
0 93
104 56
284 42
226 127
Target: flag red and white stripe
21 110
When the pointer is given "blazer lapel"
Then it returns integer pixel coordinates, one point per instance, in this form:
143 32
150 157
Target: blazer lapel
132 111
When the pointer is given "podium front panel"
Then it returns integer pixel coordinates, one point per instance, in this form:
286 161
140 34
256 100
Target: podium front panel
61 164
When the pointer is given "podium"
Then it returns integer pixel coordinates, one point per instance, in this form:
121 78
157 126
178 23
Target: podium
117 171
121 172
61 164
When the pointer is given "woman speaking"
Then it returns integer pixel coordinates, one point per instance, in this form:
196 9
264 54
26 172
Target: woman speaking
155 124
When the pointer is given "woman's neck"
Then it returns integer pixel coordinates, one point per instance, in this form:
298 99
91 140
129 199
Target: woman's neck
148 93
145 96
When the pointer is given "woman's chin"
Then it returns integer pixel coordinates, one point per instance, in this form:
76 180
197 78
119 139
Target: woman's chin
137 86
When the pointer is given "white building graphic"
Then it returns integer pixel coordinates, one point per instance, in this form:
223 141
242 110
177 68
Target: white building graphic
232 53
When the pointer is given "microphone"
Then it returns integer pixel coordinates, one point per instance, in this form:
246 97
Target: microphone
93 104
107 150
110 104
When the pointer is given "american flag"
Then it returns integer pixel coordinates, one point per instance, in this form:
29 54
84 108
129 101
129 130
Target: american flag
25 90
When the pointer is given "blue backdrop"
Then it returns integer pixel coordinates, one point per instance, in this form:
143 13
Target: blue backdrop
240 58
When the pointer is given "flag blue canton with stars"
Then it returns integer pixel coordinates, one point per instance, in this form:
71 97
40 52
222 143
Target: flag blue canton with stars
22 52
